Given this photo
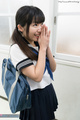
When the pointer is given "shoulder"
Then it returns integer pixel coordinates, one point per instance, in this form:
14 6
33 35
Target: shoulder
18 58
16 54
15 48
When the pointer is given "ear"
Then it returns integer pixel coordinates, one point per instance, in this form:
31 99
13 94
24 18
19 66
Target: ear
20 28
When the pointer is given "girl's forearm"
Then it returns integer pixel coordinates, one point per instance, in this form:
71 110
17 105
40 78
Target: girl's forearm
51 59
40 66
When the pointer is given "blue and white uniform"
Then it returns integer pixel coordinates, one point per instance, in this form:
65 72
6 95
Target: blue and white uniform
44 100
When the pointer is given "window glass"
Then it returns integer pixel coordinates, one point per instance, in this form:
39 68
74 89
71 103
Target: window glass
11 6
68 35
8 10
3 6
68 28
13 22
4 30
68 6
17 4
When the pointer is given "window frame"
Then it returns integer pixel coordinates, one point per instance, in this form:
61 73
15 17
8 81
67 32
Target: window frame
60 56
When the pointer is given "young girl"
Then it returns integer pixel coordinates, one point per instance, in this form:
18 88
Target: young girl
31 55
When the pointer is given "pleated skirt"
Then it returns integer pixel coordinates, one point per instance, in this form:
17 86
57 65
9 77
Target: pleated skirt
44 103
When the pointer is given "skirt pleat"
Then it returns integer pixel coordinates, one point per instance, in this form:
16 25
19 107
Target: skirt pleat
44 104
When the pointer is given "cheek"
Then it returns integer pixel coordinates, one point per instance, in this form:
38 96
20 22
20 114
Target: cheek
30 36
32 32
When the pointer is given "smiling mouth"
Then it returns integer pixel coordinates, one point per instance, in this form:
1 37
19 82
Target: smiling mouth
37 35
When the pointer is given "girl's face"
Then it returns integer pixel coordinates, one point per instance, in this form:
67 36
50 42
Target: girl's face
34 32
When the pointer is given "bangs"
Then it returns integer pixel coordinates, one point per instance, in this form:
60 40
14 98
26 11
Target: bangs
38 17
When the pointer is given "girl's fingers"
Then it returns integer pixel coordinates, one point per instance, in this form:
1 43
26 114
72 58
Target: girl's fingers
46 30
43 30
49 33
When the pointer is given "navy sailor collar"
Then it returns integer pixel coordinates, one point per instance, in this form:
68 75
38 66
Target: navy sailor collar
33 48
36 43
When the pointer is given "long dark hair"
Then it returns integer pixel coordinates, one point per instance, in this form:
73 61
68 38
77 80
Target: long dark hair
25 15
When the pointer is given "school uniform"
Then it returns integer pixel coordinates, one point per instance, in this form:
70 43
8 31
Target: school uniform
43 96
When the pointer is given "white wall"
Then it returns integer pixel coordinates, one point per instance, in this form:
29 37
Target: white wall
67 85
66 77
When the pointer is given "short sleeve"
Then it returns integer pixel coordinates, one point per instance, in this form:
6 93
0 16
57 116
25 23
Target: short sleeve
18 58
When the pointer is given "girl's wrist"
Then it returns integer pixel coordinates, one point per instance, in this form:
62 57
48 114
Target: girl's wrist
42 50
48 48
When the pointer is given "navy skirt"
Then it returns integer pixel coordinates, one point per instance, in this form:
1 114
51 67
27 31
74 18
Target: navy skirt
44 103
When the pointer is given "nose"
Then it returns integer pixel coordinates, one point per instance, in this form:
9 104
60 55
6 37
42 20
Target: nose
39 28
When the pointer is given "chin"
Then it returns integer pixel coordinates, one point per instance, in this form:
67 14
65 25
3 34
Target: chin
36 40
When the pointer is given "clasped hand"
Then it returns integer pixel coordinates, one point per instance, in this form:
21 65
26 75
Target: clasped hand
44 38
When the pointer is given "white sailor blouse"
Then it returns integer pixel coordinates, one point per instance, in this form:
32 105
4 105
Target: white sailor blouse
20 60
